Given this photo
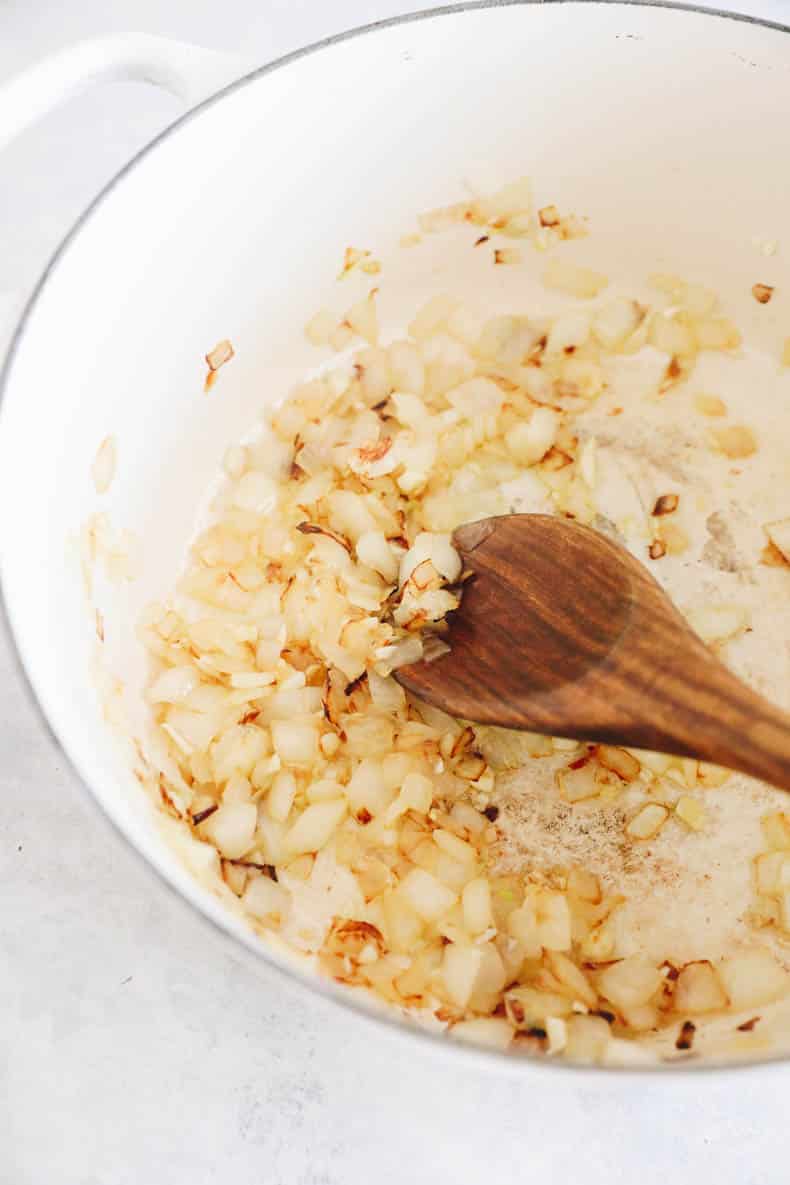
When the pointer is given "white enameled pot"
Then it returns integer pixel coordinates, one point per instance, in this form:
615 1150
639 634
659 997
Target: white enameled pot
667 126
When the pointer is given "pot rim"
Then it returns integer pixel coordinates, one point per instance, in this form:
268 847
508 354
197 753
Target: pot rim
387 1020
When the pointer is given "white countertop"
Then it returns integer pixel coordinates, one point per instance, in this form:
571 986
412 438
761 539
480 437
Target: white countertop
128 1057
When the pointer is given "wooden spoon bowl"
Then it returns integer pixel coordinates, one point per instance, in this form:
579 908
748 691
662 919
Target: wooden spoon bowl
561 631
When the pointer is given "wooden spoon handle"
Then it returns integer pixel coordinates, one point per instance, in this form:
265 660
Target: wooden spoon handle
735 727
674 695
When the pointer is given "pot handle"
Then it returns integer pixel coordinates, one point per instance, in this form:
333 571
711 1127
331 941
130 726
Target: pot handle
188 71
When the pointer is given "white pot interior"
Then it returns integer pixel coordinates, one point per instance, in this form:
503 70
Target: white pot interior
667 128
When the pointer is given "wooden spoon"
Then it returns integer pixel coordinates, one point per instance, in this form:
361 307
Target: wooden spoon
562 632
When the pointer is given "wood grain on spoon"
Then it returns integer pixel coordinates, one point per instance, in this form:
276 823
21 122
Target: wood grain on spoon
563 632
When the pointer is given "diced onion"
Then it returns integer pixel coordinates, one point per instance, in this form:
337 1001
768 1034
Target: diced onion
426 895
173 685
265 899
698 989
752 978
314 827
103 469
630 982
232 828
295 741
492 1031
